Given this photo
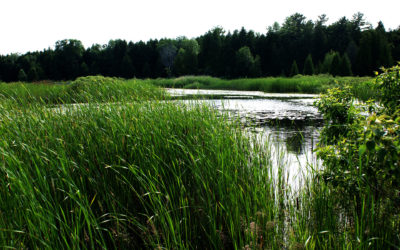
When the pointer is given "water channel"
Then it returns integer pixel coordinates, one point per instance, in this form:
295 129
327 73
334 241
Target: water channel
288 122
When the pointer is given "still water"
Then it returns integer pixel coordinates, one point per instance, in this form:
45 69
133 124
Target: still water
288 122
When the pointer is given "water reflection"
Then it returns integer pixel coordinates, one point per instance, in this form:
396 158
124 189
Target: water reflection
295 142
288 123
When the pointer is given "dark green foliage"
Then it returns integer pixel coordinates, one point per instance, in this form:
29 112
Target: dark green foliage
167 51
335 68
326 65
186 62
179 62
246 65
211 56
68 59
22 76
361 154
308 66
294 70
388 86
127 70
345 66
214 53
84 69
33 74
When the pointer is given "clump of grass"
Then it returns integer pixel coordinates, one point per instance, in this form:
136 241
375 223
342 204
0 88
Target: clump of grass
82 90
137 175
365 90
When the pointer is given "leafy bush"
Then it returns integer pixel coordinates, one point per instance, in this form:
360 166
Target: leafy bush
360 148
388 83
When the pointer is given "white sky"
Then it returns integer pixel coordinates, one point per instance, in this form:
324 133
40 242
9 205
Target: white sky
30 25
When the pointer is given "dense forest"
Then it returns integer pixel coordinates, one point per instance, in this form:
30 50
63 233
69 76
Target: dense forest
298 46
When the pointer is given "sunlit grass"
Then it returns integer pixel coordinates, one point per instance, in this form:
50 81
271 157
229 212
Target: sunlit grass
297 84
135 173
82 90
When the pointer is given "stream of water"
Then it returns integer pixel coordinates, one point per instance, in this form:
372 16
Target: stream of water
287 123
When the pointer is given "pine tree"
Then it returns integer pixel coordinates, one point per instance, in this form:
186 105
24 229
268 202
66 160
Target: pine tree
345 66
326 65
245 62
32 74
127 69
22 76
84 69
335 65
308 66
179 62
294 70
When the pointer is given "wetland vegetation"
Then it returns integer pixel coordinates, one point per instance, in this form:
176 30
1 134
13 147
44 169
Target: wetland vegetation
90 162
128 169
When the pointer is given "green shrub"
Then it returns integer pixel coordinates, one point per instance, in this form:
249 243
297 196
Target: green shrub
388 85
361 154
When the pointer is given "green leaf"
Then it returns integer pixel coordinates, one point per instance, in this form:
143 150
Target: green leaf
362 149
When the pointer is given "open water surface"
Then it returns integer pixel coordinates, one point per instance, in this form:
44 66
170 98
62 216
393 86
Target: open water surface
288 122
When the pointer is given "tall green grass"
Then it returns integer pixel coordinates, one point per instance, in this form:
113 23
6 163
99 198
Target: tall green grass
82 90
297 84
139 175
155 175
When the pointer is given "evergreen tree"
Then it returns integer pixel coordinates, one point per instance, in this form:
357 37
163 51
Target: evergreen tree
68 58
185 62
146 71
245 63
127 70
382 55
33 74
22 76
351 52
216 53
326 65
345 66
317 68
365 63
294 70
308 66
167 51
256 71
179 62
335 66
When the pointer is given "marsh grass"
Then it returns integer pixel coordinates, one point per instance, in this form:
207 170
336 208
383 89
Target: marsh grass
138 175
297 84
94 89
151 174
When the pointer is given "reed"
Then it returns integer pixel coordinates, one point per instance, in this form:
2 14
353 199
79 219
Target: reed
145 173
297 84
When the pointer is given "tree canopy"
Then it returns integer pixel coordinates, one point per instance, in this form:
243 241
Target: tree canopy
345 47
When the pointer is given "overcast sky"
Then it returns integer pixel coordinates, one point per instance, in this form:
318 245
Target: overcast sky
30 25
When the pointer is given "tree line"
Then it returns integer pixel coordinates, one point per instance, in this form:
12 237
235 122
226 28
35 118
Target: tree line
297 46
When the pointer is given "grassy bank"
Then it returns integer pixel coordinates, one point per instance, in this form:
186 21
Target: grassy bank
297 84
100 89
83 90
